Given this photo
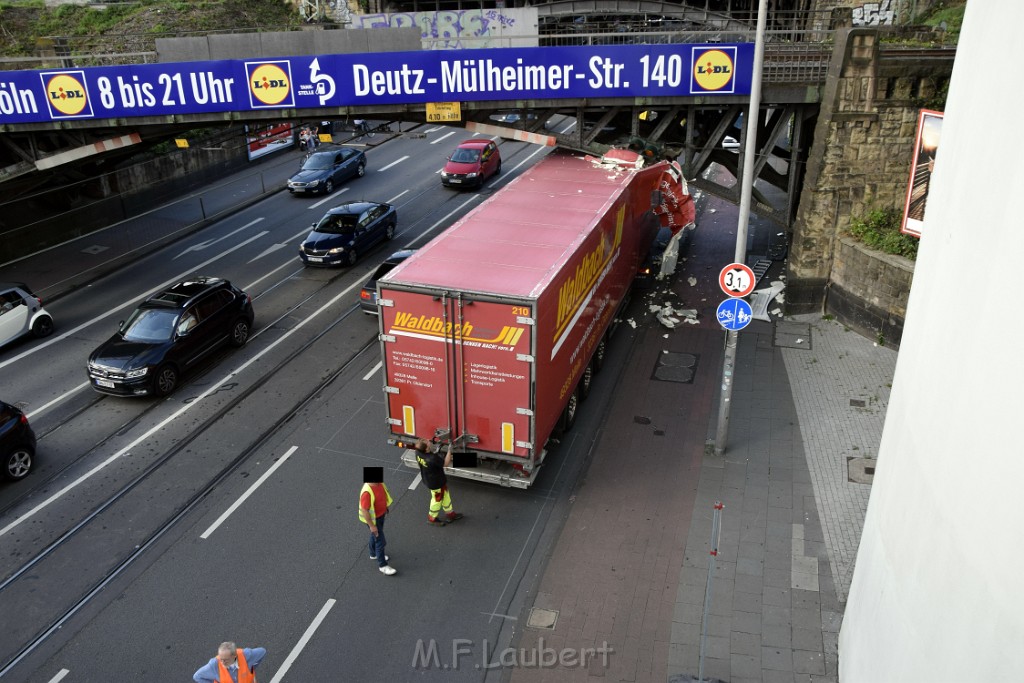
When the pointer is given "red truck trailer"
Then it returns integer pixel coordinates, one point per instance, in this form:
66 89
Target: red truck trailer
492 332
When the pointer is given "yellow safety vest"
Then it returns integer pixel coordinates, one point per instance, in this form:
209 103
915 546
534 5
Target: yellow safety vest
373 515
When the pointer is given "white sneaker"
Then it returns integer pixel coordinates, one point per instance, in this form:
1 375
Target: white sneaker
388 570
386 557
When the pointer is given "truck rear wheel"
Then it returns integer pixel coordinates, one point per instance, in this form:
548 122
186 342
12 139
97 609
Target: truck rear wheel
571 409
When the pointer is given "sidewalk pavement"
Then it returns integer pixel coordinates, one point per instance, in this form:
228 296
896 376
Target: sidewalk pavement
630 568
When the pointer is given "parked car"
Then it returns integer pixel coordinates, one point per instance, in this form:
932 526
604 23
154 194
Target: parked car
21 313
322 171
348 230
368 294
730 143
472 162
17 443
168 334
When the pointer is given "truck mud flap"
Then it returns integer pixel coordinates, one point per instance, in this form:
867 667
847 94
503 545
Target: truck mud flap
490 472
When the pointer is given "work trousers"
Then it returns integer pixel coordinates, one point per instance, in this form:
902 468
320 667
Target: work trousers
440 500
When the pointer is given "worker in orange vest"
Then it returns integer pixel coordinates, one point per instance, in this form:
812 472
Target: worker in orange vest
374 502
231 665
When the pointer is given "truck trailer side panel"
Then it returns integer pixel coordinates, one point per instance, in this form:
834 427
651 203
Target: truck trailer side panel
487 330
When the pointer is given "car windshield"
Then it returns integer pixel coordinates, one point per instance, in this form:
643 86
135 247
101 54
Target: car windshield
318 162
149 325
466 156
338 224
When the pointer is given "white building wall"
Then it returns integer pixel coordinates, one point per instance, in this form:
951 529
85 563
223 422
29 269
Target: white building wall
938 588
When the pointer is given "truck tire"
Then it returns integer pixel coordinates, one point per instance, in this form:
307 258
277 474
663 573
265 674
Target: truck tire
568 418
599 354
586 381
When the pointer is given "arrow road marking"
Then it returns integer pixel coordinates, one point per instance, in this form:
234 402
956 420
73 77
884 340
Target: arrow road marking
210 243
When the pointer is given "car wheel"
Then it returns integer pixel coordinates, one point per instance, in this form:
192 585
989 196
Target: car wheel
329 187
599 354
390 232
586 381
18 463
352 257
43 326
497 171
165 380
240 332
361 170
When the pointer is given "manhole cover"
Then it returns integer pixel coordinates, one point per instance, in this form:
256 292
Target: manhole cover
860 470
675 367
792 335
542 618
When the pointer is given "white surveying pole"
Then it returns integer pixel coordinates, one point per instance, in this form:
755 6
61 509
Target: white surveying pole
746 189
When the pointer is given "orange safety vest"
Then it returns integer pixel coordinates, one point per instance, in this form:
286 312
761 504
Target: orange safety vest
373 515
245 675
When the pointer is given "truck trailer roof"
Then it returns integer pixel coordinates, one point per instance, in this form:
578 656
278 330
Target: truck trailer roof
517 245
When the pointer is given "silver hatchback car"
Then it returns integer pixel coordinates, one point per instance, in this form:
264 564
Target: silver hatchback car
21 312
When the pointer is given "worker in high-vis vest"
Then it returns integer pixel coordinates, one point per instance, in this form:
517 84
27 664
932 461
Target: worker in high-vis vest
374 502
231 665
432 470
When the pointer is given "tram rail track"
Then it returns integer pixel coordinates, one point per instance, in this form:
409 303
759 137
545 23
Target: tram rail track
48 629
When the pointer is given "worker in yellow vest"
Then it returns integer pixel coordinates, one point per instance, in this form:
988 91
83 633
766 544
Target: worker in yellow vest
374 502
231 665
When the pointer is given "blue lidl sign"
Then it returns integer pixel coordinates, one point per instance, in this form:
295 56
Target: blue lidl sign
380 78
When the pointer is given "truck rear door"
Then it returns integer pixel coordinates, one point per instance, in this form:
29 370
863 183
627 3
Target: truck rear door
459 364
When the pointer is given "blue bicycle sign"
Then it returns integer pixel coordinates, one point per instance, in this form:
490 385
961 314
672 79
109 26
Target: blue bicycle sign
734 314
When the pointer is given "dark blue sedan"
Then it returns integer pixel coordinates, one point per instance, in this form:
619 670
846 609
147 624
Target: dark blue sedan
347 231
324 171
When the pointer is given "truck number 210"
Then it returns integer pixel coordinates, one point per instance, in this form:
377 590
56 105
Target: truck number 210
520 310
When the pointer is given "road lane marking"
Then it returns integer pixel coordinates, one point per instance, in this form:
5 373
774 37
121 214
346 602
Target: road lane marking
327 198
373 370
416 482
303 641
393 163
110 312
65 395
60 676
214 387
448 135
252 489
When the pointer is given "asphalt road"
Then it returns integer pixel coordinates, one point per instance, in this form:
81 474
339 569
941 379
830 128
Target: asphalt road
152 530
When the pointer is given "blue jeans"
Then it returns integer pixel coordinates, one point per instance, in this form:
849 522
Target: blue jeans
378 542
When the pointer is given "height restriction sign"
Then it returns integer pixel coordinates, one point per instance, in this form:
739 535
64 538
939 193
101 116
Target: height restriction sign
737 279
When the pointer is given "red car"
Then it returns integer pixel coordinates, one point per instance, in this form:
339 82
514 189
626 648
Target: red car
472 162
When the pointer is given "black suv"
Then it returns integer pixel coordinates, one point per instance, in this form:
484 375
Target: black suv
167 334
17 443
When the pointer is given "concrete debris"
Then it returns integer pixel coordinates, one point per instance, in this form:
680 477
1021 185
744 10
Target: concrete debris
777 312
667 316
692 280
760 299
632 323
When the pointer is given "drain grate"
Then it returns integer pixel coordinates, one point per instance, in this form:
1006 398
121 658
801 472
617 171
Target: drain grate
676 367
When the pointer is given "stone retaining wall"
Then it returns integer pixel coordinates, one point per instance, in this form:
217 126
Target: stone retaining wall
868 290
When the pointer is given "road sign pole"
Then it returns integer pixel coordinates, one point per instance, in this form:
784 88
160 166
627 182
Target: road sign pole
746 190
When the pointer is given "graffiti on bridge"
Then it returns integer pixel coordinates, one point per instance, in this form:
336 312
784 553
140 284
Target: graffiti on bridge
874 14
446 29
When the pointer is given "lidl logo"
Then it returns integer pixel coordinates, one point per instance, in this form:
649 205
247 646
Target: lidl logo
66 93
714 70
270 83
